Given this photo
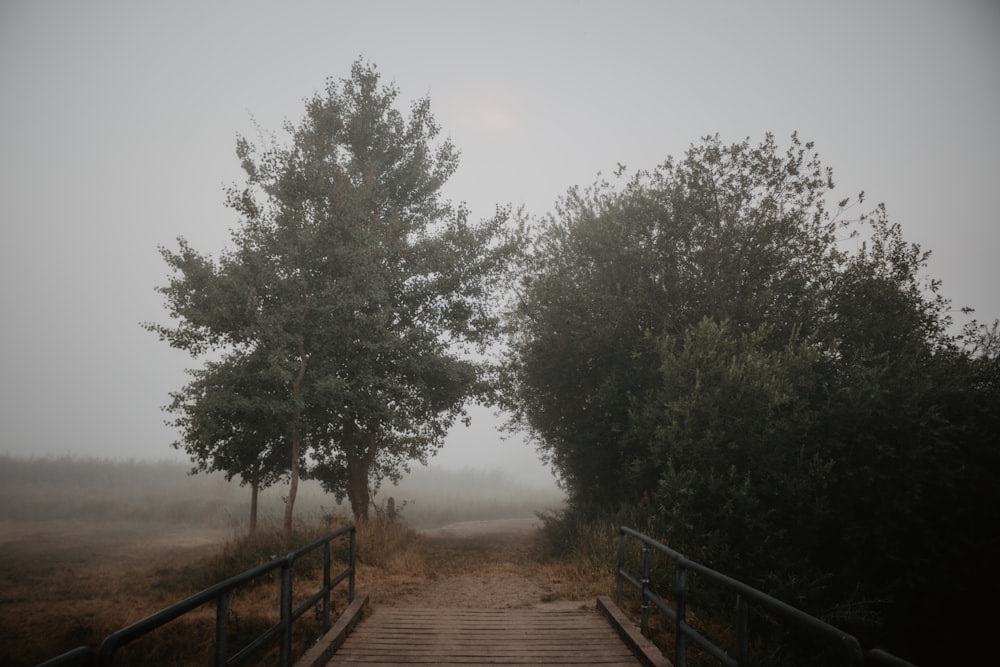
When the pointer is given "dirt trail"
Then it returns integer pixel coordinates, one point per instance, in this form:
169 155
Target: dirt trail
483 565
524 528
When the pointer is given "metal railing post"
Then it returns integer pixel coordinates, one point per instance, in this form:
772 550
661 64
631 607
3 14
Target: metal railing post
286 612
352 558
619 592
680 638
222 629
644 626
326 587
742 632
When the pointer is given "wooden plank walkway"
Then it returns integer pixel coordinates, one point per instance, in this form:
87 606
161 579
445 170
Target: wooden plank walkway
532 636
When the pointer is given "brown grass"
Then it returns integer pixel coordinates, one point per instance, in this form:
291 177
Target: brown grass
88 547
57 599
410 563
54 600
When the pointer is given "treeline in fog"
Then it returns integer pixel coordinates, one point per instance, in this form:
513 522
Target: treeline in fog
91 489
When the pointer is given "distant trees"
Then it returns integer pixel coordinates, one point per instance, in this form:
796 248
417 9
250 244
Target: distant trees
775 388
348 311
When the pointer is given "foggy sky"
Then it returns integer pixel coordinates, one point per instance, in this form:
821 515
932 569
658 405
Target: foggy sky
118 123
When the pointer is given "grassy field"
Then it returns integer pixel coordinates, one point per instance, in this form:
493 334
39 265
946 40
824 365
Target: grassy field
89 546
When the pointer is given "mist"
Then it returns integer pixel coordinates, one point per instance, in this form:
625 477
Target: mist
118 123
60 494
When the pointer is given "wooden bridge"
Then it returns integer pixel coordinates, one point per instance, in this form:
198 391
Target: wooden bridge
481 622
544 634
479 608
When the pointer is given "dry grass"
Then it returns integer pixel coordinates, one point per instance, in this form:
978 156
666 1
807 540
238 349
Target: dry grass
52 602
409 561
42 615
88 547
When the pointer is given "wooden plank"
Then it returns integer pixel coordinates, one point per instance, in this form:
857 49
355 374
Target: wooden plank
647 652
327 645
535 636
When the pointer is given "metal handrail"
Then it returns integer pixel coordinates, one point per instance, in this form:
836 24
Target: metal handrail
846 644
220 593
82 656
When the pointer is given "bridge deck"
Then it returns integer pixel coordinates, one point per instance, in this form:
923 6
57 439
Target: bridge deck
533 636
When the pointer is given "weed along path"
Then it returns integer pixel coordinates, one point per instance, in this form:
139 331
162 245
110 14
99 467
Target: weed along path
485 595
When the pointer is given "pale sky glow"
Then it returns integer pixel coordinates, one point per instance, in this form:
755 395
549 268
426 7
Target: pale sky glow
118 123
488 114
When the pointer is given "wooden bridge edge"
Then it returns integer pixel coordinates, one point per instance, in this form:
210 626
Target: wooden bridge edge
324 648
644 650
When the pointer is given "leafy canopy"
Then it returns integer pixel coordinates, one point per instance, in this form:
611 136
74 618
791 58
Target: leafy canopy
355 293
718 349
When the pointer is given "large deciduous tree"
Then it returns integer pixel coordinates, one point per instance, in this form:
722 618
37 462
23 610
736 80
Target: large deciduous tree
737 233
351 284
773 385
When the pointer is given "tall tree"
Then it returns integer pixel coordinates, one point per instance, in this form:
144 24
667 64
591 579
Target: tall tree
356 286
701 347
730 232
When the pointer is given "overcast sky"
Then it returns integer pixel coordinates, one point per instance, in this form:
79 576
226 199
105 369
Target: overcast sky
118 123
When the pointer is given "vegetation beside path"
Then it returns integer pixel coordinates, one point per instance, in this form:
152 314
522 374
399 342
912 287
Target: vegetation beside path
88 547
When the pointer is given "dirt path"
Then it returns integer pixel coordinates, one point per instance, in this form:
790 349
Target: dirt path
508 527
484 565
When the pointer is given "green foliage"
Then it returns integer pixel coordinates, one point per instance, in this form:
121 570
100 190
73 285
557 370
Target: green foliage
350 309
721 449
698 347
734 233
234 419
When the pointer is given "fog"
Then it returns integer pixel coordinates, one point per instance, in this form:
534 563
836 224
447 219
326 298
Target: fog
50 494
118 123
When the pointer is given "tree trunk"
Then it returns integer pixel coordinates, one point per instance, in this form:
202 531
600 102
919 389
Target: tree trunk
254 490
359 463
357 489
293 487
296 435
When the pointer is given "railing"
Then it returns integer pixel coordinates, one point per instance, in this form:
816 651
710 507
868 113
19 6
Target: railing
104 655
844 644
